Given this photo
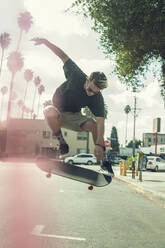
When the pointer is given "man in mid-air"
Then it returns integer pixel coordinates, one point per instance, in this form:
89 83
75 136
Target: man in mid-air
77 92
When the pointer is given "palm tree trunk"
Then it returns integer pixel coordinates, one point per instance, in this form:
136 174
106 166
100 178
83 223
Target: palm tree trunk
24 99
10 96
18 112
34 99
19 41
1 61
38 106
1 108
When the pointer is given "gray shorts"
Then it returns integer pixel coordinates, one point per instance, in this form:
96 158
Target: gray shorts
73 121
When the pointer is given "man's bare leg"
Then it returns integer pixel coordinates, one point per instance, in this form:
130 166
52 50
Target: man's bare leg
52 116
91 126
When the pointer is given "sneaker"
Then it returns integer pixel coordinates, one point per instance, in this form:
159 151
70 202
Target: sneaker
63 149
106 165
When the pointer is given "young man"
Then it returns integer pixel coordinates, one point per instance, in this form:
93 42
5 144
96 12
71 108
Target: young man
78 91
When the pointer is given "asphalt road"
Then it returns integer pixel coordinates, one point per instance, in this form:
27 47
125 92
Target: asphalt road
37 212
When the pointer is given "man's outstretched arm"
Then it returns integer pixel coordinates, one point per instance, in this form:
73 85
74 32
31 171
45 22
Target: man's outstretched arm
56 50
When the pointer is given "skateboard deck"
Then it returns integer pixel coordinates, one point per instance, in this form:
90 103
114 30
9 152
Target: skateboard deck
74 172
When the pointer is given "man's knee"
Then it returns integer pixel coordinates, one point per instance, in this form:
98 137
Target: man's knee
51 112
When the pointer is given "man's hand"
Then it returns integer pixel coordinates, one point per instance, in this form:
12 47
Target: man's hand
56 50
99 153
39 41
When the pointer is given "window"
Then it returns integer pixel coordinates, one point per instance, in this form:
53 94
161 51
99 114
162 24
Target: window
54 136
87 156
84 156
149 140
80 156
37 132
65 133
82 135
46 134
79 150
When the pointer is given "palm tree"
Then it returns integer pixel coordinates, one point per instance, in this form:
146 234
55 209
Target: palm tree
28 75
13 98
24 108
37 81
41 89
24 23
4 43
20 105
14 64
4 90
14 95
31 112
127 109
28 111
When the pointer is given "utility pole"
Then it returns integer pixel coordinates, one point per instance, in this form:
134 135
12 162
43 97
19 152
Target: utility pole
134 128
133 147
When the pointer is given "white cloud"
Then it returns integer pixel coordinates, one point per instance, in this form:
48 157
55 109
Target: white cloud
51 17
150 95
9 11
90 65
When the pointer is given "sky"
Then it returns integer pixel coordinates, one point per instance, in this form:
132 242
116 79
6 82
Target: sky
73 34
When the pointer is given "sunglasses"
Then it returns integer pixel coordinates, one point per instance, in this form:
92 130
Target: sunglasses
89 89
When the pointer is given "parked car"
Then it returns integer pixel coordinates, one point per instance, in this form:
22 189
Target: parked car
82 158
117 160
155 163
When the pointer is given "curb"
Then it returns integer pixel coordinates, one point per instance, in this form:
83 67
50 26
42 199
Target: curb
147 192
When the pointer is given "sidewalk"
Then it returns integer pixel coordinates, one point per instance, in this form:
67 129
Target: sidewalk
153 183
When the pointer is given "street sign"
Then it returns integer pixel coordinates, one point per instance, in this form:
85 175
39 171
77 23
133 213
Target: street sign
107 143
156 125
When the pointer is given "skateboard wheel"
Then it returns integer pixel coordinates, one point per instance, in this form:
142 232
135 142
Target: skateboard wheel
48 175
90 187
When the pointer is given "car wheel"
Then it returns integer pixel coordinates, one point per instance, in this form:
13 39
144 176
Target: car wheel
89 163
70 162
156 168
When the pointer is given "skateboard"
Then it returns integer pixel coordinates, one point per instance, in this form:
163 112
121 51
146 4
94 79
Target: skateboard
74 172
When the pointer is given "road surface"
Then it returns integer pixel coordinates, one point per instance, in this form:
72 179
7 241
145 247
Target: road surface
37 212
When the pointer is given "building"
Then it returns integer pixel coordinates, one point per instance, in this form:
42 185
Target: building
128 151
149 139
160 149
31 137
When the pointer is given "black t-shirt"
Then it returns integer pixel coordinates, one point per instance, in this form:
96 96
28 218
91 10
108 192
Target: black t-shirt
71 95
